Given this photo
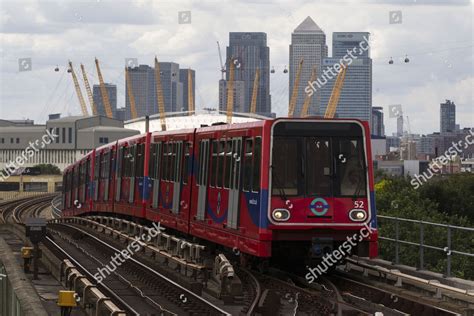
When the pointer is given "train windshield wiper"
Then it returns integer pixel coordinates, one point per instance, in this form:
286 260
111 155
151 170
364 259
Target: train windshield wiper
278 184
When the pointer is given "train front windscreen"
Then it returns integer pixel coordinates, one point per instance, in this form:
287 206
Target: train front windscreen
325 159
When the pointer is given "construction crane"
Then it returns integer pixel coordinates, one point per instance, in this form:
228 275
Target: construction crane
309 97
336 93
103 91
78 91
220 59
190 93
89 91
230 91
159 95
294 94
253 105
131 97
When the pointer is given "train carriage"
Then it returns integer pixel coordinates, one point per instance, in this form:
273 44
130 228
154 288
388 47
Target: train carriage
294 188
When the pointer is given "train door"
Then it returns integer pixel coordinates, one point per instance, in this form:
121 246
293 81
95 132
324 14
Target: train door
178 151
96 176
155 172
118 174
202 180
132 163
235 152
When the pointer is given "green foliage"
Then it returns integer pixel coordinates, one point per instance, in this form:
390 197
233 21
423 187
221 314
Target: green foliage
438 202
48 169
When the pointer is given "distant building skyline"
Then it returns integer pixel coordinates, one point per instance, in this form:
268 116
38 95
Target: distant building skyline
250 51
377 127
308 42
239 96
447 117
355 100
98 100
173 84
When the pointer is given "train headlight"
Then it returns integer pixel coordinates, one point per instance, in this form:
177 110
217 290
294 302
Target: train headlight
358 215
280 215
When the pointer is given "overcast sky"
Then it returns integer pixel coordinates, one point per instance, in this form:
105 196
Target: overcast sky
437 36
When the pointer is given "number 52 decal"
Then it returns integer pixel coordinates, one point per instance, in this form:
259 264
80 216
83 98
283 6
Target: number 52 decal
358 204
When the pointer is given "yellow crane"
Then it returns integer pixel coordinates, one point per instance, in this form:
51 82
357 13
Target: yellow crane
230 91
336 93
103 91
309 97
89 91
253 105
190 93
131 97
294 94
159 96
78 91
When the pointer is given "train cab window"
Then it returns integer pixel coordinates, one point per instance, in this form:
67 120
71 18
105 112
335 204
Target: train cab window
220 168
139 160
228 167
318 166
248 156
187 152
350 170
286 166
214 163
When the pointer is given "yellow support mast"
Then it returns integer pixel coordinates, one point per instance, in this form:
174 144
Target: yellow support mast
78 91
309 97
294 94
159 95
131 97
89 91
336 93
230 91
253 105
190 93
103 91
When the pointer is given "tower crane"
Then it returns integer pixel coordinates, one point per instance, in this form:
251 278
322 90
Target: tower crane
253 104
336 93
103 91
159 95
131 97
89 91
78 91
309 97
190 93
230 92
220 59
294 94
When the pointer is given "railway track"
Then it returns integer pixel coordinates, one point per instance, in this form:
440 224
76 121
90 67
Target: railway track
141 289
16 211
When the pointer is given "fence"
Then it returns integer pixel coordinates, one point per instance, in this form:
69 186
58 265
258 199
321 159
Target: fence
9 303
447 247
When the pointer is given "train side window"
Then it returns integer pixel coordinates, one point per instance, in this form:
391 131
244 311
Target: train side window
257 155
133 160
179 162
187 152
125 162
165 161
248 155
220 169
139 160
214 163
228 167
97 167
87 172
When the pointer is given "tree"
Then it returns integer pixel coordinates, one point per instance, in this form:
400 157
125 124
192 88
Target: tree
48 169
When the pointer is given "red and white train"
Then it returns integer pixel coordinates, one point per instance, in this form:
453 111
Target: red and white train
278 187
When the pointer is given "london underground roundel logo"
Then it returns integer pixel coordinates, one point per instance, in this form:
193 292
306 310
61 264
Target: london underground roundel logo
319 206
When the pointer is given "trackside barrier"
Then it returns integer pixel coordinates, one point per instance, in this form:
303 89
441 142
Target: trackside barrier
224 275
91 299
448 249
176 253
